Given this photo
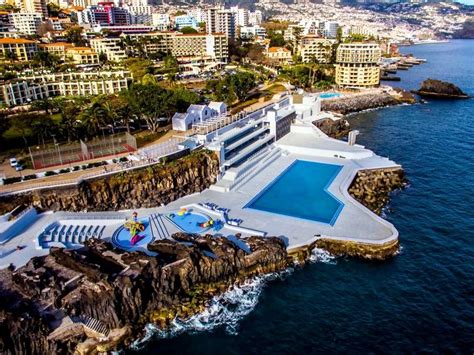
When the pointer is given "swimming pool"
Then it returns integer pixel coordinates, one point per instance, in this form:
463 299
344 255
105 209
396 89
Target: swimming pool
329 95
301 191
123 240
190 222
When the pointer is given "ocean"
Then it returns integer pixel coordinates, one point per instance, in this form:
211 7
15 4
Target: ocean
422 300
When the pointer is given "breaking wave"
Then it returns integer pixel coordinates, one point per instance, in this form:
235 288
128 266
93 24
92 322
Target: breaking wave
225 310
322 256
228 309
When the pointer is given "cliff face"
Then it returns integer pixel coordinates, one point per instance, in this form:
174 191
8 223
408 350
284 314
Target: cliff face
123 291
438 88
147 187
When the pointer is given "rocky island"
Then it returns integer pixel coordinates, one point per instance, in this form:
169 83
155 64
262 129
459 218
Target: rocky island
440 89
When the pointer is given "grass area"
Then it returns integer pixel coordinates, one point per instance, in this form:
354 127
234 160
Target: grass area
241 105
276 88
146 137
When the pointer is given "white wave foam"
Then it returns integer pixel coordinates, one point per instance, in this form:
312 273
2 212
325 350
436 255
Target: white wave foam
226 310
322 256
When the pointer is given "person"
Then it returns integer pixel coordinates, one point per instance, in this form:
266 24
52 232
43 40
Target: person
135 216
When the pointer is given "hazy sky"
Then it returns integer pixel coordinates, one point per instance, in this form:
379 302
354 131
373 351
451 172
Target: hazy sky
468 2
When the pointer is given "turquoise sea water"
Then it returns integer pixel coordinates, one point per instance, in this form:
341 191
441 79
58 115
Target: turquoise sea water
301 192
420 301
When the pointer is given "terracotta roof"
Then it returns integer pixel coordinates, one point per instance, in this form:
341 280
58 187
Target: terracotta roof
78 49
277 49
15 41
56 44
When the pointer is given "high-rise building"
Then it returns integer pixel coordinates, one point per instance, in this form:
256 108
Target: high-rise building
242 15
104 13
26 23
357 64
222 21
33 6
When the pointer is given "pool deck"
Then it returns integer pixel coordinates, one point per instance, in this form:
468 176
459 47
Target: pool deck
355 223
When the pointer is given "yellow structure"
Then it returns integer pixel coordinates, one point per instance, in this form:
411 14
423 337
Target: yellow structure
278 55
357 64
82 55
17 48
57 48
314 48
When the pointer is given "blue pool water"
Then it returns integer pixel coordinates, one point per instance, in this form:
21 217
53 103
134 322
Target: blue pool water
189 222
329 95
301 192
122 238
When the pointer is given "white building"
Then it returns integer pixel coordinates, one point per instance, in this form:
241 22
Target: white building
252 32
161 22
242 15
26 23
255 18
222 21
110 47
197 113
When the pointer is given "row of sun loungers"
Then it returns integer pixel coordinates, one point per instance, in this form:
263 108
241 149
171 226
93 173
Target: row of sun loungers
214 207
234 221
71 234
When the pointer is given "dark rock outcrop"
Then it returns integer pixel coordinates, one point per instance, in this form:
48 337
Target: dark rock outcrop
146 187
440 89
334 129
372 188
123 291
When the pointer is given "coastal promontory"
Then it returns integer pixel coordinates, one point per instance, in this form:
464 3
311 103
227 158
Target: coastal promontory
441 89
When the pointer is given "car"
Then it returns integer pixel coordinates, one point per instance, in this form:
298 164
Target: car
13 162
19 167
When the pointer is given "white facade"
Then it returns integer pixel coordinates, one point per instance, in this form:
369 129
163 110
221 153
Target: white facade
27 23
197 113
110 47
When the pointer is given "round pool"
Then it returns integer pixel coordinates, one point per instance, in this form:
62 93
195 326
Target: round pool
123 240
190 222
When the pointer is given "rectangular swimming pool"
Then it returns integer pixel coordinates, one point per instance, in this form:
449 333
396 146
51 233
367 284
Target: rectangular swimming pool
301 191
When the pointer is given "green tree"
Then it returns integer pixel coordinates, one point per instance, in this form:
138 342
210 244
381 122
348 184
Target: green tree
188 30
138 67
74 35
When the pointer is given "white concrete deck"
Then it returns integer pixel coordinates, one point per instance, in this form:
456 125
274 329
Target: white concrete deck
354 223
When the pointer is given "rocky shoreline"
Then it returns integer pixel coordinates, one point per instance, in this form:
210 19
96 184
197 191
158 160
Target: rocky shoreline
98 298
440 89
355 103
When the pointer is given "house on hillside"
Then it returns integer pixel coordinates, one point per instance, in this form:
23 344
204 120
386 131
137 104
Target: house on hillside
197 113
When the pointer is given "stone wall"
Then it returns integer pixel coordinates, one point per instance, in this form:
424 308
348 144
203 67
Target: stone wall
146 187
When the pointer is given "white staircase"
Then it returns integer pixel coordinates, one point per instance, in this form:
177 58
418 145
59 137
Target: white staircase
236 177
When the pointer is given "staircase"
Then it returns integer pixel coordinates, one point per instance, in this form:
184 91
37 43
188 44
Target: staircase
236 177
93 324
158 226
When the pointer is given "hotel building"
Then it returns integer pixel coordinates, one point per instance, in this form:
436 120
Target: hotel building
27 89
110 47
314 48
357 65
278 55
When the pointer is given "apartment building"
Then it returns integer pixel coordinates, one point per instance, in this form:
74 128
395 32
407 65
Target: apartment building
33 6
185 21
56 48
110 47
82 55
17 48
222 21
357 64
201 45
27 89
26 23
254 32
316 49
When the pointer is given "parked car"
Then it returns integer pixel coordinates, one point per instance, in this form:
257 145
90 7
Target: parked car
19 167
13 162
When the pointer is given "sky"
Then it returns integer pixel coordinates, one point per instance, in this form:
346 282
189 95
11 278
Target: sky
467 2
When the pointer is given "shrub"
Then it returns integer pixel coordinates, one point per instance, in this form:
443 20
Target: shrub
29 177
123 159
63 171
50 173
76 168
11 180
